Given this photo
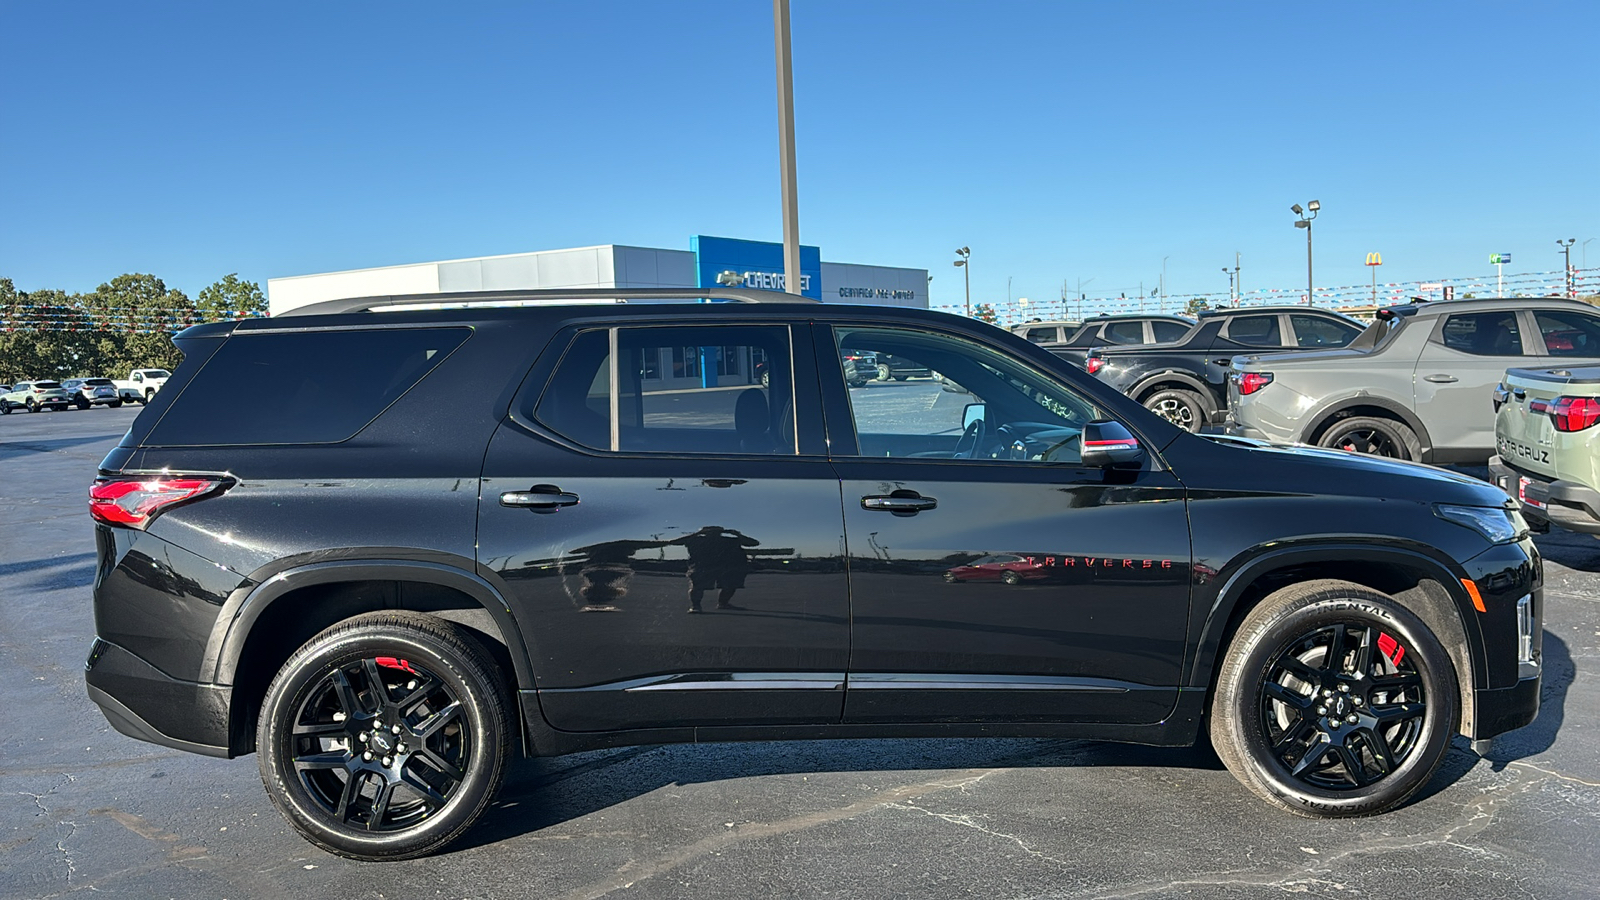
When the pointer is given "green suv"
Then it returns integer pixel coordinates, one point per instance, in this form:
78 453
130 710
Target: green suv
1549 446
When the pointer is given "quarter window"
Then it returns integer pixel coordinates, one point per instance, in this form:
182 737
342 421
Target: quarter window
1125 332
984 405
729 390
1042 335
1569 333
1483 334
1168 331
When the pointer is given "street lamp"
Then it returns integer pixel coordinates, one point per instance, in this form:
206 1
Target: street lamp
1566 268
966 256
1306 215
1230 273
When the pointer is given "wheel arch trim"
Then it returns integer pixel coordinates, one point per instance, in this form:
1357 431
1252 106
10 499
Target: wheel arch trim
1462 636
1149 382
1320 414
241 611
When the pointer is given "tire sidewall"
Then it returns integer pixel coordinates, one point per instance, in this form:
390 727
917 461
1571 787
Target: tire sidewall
1191 399
1246 674
302 673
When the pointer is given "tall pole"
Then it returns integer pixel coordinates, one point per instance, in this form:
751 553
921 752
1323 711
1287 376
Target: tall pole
1163 307
1238 280
1311 295
791 196
1566 263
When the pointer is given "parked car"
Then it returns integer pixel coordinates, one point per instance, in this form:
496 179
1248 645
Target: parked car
35 396
87 392
1186 381
1548 445
417 550
141 385
1054 331
889 367
1416 385
1120 331
1008 568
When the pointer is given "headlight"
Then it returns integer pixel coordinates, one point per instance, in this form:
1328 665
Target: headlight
1496 524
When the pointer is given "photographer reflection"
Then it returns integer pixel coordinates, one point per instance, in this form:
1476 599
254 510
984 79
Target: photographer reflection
717 559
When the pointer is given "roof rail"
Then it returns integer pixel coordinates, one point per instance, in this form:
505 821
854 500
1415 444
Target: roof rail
551 297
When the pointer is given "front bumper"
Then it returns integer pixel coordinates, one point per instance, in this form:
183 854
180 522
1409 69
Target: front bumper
142 702
1573 506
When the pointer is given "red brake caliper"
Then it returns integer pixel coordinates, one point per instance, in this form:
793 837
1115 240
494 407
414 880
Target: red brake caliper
389 662
1391 648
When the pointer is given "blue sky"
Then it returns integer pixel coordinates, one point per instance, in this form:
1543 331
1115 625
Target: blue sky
1057 140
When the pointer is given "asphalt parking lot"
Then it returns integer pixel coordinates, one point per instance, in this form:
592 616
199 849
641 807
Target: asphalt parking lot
88 810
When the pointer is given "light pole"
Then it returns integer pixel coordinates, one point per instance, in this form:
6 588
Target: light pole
1081 283
1566 267
966 257
791 195
1163 307
1306 215
1233 296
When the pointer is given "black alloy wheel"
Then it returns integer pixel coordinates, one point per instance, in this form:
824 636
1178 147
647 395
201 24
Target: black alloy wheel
1374 437
386 736
1334 700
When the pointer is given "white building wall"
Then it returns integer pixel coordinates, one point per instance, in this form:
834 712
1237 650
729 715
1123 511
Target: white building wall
875 285
284 294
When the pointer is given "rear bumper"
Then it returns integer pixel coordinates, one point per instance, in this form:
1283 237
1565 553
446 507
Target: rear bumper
142 702
1573 506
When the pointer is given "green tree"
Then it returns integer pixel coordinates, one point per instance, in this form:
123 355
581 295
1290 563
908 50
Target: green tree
984 312
231 298
147 313
1195 306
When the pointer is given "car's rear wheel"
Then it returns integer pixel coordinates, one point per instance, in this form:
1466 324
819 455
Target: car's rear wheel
115 404
82 403
1334 701
883 372
1182 408
385 736
149 395
1011 578
33 405
1374 437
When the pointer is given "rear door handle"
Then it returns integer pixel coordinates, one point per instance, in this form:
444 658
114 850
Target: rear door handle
900 503
541 496
1440 379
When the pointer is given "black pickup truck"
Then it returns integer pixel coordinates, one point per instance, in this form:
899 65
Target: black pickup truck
1186 381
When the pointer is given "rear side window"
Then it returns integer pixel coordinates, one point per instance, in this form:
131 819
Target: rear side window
317 387
1483 334
723 389
1261 331
1569 333
1042 335
1125 332
1168 331
1315 331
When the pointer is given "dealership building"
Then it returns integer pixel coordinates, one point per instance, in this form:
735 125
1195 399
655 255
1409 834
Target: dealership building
709 261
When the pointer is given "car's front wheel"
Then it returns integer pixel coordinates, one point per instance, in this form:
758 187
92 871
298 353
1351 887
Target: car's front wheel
33 405
1333 701
385 736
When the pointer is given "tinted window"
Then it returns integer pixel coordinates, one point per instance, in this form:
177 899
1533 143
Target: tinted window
1569 333
1125 332
985 406
713 389
97 382
304 388
1042 335
47 384
1315 331
1258 330
1169 331
1483 334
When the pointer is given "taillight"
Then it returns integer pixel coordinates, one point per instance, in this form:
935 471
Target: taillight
1094 364
1250 382
1574 413
134 502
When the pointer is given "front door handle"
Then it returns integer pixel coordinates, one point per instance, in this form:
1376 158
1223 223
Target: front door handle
901 503
541 496
1440 379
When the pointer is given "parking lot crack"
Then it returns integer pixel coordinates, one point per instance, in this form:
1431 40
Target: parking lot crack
967 821
61 842
635 871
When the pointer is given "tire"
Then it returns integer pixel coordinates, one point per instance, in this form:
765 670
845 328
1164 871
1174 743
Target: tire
394 650
949 578
5 408
766 379
82 404
1011 578
1182 408
1280 717
33 405
1373 436
883 372
115 404
148 396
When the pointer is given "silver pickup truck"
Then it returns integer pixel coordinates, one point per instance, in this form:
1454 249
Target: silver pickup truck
1549 446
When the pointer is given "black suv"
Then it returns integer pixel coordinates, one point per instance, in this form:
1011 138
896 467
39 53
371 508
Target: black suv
438 536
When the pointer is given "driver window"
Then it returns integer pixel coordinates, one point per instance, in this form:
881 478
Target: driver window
971 401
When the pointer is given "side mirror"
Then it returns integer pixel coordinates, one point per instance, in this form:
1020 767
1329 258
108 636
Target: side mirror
974 412
1108 445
